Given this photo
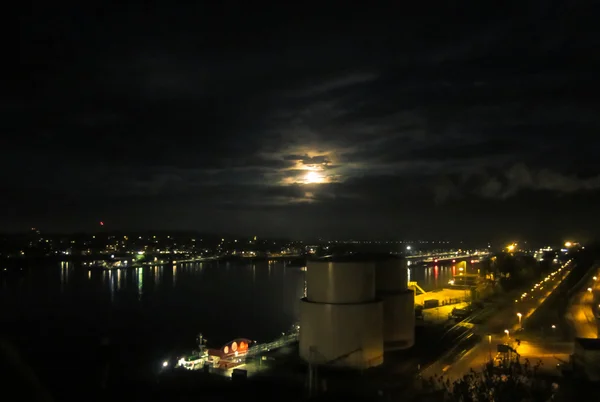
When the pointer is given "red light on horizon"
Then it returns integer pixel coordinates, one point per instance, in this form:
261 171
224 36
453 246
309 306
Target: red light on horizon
101 223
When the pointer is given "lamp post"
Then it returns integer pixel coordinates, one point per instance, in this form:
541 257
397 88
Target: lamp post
520 319
507 332
490 345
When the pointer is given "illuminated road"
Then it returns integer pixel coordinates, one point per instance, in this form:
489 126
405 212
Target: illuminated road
581 310
456 363
550 353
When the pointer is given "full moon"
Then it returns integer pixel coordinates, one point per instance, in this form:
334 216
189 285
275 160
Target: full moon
313 177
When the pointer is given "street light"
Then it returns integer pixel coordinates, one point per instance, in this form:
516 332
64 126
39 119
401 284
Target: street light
590 290
507 332
595 278
520 317
490 345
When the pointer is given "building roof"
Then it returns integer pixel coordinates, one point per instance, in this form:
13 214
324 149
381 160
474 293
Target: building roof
589 343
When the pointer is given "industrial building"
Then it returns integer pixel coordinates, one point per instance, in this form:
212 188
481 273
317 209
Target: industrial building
356 306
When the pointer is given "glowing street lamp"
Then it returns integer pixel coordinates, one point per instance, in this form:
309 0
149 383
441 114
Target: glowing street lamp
568 244
490 345
511 247
520 317
589 290
507 332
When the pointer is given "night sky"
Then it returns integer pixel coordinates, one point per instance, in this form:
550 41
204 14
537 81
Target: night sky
413 122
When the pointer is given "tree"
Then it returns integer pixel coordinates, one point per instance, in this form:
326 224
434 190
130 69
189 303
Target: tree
512 382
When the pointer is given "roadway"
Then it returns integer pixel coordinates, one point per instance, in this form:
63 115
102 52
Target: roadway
549 352
582 305
462 357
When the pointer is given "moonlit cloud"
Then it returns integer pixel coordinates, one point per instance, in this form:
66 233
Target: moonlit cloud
215 124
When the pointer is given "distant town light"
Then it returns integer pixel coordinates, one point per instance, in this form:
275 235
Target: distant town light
408 247
568 244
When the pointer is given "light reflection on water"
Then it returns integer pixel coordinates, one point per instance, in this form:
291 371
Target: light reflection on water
140 282
428 277
179 300
65 267
111 284
431 277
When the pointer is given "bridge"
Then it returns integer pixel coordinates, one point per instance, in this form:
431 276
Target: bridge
435 257
284 340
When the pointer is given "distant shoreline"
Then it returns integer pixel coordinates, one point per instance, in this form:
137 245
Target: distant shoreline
299 261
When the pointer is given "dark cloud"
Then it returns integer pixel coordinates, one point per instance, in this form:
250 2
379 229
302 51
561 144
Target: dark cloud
360 115
521 178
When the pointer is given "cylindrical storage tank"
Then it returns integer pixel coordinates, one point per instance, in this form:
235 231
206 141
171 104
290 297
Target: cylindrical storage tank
340 282
399 320
391 274
342 335
398 302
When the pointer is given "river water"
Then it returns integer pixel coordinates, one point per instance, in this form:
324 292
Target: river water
62 311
